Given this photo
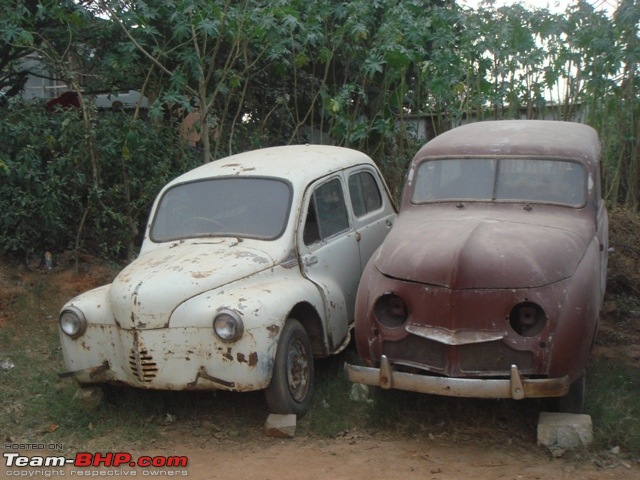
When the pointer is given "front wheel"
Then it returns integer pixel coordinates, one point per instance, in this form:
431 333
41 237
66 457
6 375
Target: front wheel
292 381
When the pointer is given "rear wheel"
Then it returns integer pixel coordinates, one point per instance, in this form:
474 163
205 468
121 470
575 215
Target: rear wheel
291 385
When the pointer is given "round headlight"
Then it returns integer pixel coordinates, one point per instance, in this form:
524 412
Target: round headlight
390 310
73 322
228 325
527 319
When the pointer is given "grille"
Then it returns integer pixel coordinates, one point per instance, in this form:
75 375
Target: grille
493 357
483 359
142 365
417 350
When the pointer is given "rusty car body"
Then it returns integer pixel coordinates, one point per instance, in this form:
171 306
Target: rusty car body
248 270
491 283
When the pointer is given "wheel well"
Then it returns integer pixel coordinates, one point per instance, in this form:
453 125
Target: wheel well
310 320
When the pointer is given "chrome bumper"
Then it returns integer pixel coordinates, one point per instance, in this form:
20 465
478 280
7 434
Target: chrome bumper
514 387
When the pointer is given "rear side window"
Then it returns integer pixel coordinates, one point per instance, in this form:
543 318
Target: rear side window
364 193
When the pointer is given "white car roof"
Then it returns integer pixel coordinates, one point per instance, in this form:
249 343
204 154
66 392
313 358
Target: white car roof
300 164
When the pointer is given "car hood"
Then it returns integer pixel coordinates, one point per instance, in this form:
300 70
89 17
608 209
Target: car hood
147 291
460 250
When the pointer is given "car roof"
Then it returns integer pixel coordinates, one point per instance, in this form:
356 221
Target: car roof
296 163
521 138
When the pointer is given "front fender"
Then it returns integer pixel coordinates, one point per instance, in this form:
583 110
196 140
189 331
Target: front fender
94 304
578 321
263 302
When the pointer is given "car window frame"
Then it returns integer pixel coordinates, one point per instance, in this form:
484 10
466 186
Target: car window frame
375 177
308 200
499 158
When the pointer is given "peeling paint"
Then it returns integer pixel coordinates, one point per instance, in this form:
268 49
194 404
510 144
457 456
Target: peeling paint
181 283
201 274
253 359
250 255
273 330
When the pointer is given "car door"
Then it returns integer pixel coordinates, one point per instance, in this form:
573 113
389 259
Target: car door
373 210
329 253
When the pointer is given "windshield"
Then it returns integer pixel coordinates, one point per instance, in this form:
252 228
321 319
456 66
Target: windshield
484 179
238 207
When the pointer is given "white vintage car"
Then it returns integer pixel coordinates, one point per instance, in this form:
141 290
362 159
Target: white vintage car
248 270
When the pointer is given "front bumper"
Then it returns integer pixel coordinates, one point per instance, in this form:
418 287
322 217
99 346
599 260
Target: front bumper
514 387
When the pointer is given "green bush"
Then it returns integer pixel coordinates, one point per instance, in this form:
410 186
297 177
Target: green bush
48 180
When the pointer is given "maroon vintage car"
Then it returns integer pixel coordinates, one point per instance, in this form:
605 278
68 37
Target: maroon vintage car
491 282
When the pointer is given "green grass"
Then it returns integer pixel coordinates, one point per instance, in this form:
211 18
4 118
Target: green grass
613 400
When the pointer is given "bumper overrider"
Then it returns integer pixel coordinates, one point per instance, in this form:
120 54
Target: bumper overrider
515 387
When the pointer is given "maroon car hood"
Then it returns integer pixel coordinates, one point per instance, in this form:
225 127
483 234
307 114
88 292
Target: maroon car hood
458 249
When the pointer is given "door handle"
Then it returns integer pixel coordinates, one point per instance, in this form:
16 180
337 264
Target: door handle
310 261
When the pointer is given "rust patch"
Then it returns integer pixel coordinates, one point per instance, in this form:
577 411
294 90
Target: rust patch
253 359
200 274
228 355
273 330
241 358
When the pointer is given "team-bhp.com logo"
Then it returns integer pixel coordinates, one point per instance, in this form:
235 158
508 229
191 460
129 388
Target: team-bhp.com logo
113 460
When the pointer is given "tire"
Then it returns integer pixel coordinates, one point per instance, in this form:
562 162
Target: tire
573 401
291 385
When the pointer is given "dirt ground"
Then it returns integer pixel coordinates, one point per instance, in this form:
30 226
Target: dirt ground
354 455
377 458
353 459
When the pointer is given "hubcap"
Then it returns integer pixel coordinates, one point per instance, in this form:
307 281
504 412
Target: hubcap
298 370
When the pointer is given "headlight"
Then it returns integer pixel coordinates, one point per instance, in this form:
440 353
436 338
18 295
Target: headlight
228 325
527 319
390 310
73 322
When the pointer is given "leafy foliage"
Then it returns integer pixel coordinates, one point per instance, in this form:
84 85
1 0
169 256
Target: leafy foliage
46 186
322 71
